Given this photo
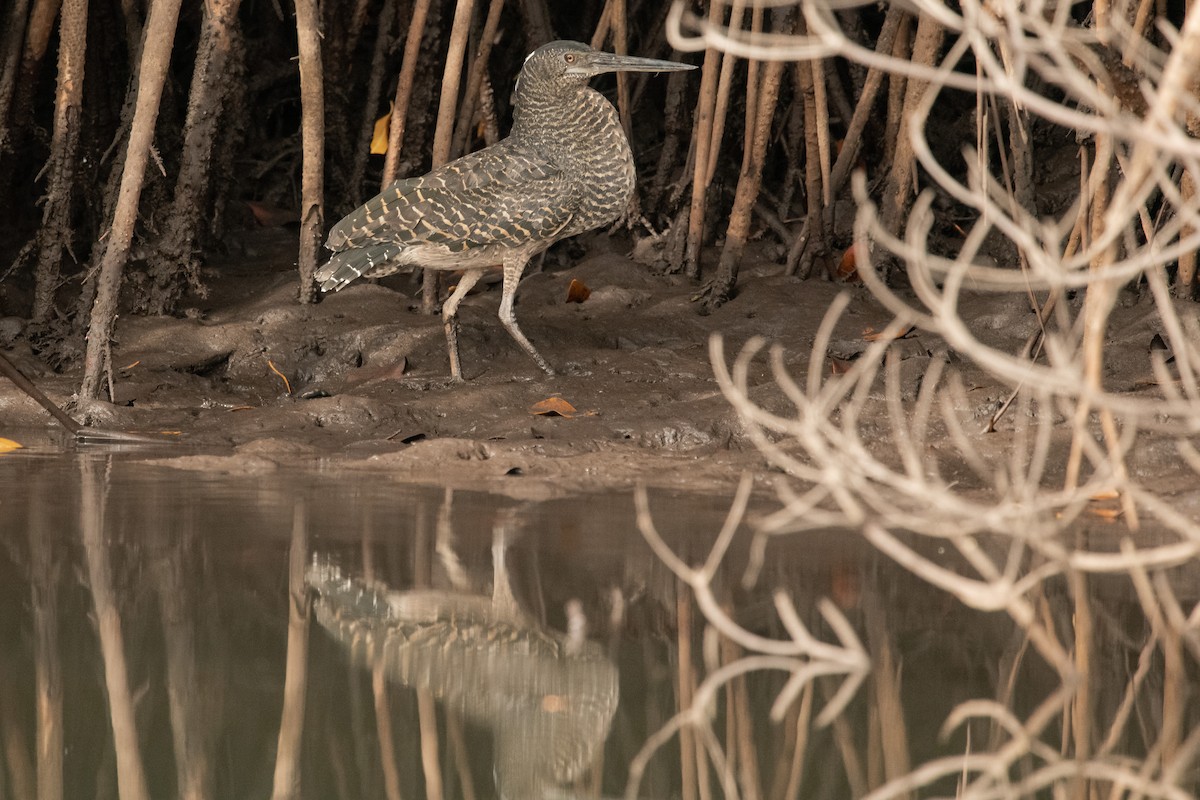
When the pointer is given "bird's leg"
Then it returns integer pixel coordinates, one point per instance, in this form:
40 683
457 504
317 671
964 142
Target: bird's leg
512 276
450 318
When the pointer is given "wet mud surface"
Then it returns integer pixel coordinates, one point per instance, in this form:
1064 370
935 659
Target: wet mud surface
367 376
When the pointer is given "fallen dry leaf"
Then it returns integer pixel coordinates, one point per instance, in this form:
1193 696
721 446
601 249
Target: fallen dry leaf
553 407
8 445
578 291
131 366
846 586
271 216
1107 494
839 366
379 138
847 270
872 335
1106 514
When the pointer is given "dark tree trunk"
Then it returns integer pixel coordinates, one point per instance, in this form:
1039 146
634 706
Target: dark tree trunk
677 124
362 147
467 112
701 140
442 135
10 60
175 266
55 233
897 197
38 30
152 74
749 183
37 41
404 90
312 100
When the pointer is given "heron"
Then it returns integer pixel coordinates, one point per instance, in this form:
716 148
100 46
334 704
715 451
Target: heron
566 167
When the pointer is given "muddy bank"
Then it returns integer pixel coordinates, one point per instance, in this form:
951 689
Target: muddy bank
250 379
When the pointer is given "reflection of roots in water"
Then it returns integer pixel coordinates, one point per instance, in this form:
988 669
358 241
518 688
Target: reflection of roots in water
547 698
1091 690
1014 517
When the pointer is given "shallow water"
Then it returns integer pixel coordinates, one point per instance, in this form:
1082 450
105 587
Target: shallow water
450 643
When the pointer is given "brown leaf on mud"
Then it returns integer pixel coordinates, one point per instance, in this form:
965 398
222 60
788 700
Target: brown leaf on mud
847 271
1107 494
872 335
578 291
839 366
131 366
8 445
553 407
846 586
272 216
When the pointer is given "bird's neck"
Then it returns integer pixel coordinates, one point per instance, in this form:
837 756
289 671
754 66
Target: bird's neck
561 126
583 137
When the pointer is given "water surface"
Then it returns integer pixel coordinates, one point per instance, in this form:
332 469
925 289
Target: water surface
327 634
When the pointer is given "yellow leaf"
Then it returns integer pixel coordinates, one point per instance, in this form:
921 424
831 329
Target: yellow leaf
379 140
8 445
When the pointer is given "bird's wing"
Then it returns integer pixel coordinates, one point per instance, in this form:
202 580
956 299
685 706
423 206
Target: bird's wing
497 196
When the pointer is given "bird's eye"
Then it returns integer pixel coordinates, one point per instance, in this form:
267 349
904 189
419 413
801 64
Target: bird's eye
569 58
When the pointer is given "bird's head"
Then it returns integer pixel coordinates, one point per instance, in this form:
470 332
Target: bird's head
569 65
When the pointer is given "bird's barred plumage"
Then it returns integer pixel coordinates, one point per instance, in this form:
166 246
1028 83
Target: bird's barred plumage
565 168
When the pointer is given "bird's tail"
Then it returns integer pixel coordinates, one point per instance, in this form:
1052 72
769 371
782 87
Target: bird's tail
374 261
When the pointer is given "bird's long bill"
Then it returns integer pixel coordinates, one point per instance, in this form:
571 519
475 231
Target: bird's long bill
599 63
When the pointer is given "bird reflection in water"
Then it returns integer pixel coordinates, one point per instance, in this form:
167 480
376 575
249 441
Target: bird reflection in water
548 698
